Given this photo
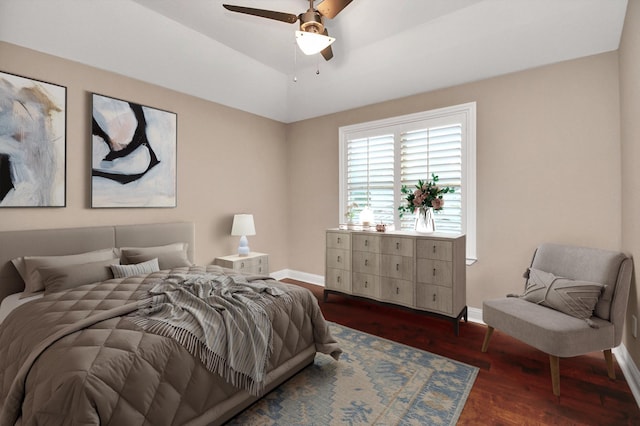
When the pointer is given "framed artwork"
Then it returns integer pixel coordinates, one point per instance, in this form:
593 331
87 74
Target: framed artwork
133 155
32 142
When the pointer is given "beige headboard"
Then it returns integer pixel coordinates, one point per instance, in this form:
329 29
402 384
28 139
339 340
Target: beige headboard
57 242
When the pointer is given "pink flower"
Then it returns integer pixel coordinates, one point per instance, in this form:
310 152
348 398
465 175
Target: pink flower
437 203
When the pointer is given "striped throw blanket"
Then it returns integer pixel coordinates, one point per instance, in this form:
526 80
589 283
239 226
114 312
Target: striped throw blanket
220 319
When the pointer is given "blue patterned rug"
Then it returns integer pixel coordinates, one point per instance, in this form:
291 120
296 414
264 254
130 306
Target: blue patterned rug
376 382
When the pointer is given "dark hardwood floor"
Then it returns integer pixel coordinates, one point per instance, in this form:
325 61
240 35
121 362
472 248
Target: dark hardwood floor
513 386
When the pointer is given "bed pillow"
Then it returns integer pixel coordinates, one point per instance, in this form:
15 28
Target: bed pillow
59 278
122 271
167 260
28 266
573 297
125 252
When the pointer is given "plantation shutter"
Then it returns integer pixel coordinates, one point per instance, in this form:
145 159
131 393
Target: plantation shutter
370 175
435 150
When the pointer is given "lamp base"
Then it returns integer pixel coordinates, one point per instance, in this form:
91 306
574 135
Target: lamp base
243 248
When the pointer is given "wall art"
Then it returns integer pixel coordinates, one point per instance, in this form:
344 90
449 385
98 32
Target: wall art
32 142
134 150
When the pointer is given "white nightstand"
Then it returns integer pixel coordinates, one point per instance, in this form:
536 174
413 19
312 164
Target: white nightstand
254 262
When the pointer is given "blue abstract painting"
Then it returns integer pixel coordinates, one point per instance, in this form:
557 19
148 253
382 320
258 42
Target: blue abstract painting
133 155
32 142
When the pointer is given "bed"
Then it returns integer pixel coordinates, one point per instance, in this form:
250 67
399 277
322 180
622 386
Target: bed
133 347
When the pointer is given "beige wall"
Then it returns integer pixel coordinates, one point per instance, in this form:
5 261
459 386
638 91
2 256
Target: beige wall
228 161
548 169
630 134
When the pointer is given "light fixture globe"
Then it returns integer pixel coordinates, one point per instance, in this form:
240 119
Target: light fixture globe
312 37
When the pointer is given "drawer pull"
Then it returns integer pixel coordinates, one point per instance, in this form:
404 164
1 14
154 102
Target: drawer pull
338 279
397 246
366 243
434 297
434 272
338 240
260 261
260 269
242 264
397 266
366 284
397 290
434 248
366 262
339 259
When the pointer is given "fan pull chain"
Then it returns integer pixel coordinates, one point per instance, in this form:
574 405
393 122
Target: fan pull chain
295 62
317 64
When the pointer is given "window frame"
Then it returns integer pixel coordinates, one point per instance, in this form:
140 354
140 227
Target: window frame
395 125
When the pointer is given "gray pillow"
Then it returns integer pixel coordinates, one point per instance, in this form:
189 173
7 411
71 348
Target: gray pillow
122 271
575 298
167 260
60 278
125 252
28 266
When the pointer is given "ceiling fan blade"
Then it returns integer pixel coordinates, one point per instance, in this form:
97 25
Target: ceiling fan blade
327 53
278 16
330 8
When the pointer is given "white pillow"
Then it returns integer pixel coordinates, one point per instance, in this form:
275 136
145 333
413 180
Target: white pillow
28 266
122 271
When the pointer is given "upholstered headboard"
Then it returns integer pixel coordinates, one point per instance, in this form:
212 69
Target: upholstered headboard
57 242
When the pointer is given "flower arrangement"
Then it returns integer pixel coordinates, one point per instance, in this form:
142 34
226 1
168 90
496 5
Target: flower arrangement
350 213
427 194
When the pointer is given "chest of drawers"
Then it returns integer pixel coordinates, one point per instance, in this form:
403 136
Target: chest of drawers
423 272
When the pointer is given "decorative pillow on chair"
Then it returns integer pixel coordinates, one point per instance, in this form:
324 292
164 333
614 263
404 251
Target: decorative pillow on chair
573 297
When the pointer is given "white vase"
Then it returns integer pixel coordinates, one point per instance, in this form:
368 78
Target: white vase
425 221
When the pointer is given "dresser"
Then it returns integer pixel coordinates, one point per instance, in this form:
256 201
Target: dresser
254 262
422 272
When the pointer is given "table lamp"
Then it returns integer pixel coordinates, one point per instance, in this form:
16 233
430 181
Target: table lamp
243 226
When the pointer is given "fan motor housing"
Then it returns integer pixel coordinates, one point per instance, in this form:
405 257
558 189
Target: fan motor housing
311 22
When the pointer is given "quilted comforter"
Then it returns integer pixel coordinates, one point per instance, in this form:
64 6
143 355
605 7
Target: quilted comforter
74 357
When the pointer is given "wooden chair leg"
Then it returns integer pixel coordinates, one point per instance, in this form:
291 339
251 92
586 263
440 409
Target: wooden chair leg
611 371
554 362
487 337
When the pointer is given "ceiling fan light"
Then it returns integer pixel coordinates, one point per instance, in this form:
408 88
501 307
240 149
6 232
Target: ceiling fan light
312 43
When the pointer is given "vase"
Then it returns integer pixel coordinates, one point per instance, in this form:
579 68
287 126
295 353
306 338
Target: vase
425 221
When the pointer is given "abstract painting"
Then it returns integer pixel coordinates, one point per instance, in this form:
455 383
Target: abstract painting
32 142
133 155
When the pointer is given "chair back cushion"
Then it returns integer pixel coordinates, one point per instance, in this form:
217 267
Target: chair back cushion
585 264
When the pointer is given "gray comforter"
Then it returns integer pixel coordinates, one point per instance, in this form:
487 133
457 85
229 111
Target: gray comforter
74 358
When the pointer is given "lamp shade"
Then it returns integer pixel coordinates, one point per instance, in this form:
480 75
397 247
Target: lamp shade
311 43
243 225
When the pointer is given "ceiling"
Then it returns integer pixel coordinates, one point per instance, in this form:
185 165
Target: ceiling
385 49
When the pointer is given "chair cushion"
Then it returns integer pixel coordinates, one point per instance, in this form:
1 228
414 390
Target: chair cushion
546 329
573 297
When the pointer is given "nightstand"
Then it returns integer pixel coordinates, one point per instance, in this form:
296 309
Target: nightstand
254 262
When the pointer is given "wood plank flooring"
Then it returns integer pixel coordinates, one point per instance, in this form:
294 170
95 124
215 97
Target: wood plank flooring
513 386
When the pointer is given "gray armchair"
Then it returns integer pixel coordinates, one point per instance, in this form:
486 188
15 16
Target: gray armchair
564 330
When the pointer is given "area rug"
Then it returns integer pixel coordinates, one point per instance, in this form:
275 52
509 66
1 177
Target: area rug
375 382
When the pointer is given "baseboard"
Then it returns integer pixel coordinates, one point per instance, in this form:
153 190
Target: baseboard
628 367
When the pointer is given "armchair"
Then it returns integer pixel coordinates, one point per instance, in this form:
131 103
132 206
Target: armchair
563 331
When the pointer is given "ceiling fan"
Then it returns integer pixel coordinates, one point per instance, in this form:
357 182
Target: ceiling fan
313 37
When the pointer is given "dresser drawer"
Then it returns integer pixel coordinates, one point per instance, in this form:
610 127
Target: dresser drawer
368 243
396 291
434 298
434 249
365 262
338 258
396 267
338 279
365 285
438 272
398 246
339 240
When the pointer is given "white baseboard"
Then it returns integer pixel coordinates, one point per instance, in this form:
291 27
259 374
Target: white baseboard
628 367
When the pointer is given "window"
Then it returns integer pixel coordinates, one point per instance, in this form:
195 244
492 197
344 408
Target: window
378 157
